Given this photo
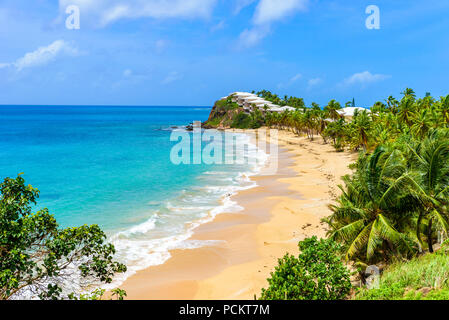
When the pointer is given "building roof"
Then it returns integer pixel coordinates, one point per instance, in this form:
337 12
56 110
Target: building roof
257 102
349 112
287 108
243 94
254 98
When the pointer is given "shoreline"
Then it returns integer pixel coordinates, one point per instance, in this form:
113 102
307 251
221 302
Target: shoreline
280 211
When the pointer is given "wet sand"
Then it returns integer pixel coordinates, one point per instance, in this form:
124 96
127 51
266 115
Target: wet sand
283 209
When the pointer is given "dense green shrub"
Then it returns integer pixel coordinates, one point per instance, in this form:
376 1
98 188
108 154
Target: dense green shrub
257 119
241 121
317 274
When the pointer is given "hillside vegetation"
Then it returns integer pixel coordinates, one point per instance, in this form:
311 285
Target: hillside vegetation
422 278
228 114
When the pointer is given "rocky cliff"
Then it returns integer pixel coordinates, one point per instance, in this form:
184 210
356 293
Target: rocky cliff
222 115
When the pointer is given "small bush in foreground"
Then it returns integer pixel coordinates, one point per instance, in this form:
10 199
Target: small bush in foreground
317 274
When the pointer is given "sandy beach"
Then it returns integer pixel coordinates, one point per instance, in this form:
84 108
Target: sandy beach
282 210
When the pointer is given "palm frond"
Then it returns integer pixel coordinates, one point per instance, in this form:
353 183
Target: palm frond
359 242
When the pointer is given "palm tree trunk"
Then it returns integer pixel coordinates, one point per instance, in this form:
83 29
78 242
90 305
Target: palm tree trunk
429 236
418 233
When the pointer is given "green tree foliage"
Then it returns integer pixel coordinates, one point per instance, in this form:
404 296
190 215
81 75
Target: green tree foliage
294 102
253 120
317 274
369 215
35 252
98 294
396 202
242 121
429 161
331 110
366 130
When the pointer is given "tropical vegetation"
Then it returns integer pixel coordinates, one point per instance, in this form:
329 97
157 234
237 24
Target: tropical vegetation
39 259
394 207
422 278
316 274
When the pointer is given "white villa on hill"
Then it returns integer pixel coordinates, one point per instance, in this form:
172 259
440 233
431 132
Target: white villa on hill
350 111
249 101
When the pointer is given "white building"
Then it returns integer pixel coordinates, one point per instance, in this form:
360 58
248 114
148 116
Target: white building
260 103
249 100
238 96
350 111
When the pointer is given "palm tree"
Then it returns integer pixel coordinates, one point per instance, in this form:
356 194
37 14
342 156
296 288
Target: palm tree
444 109
406 110
409 93
322 123
309 123
295 122
392 104
361 128
378 108
336 130
430 161
373 209
422 122
332 108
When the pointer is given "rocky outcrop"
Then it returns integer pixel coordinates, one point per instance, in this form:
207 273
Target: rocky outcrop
222 115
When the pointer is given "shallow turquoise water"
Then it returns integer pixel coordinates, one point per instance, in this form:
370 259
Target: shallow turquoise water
104 165
111 166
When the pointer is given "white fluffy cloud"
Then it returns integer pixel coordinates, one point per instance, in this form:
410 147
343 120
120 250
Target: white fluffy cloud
42 55
104 12
251 37
268 12
364 78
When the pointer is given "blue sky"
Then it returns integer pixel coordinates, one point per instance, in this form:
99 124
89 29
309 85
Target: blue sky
192 52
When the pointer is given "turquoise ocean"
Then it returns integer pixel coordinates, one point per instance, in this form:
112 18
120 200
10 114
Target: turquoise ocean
111 166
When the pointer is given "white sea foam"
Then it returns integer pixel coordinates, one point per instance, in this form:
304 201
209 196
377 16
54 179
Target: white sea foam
141 228
149 243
